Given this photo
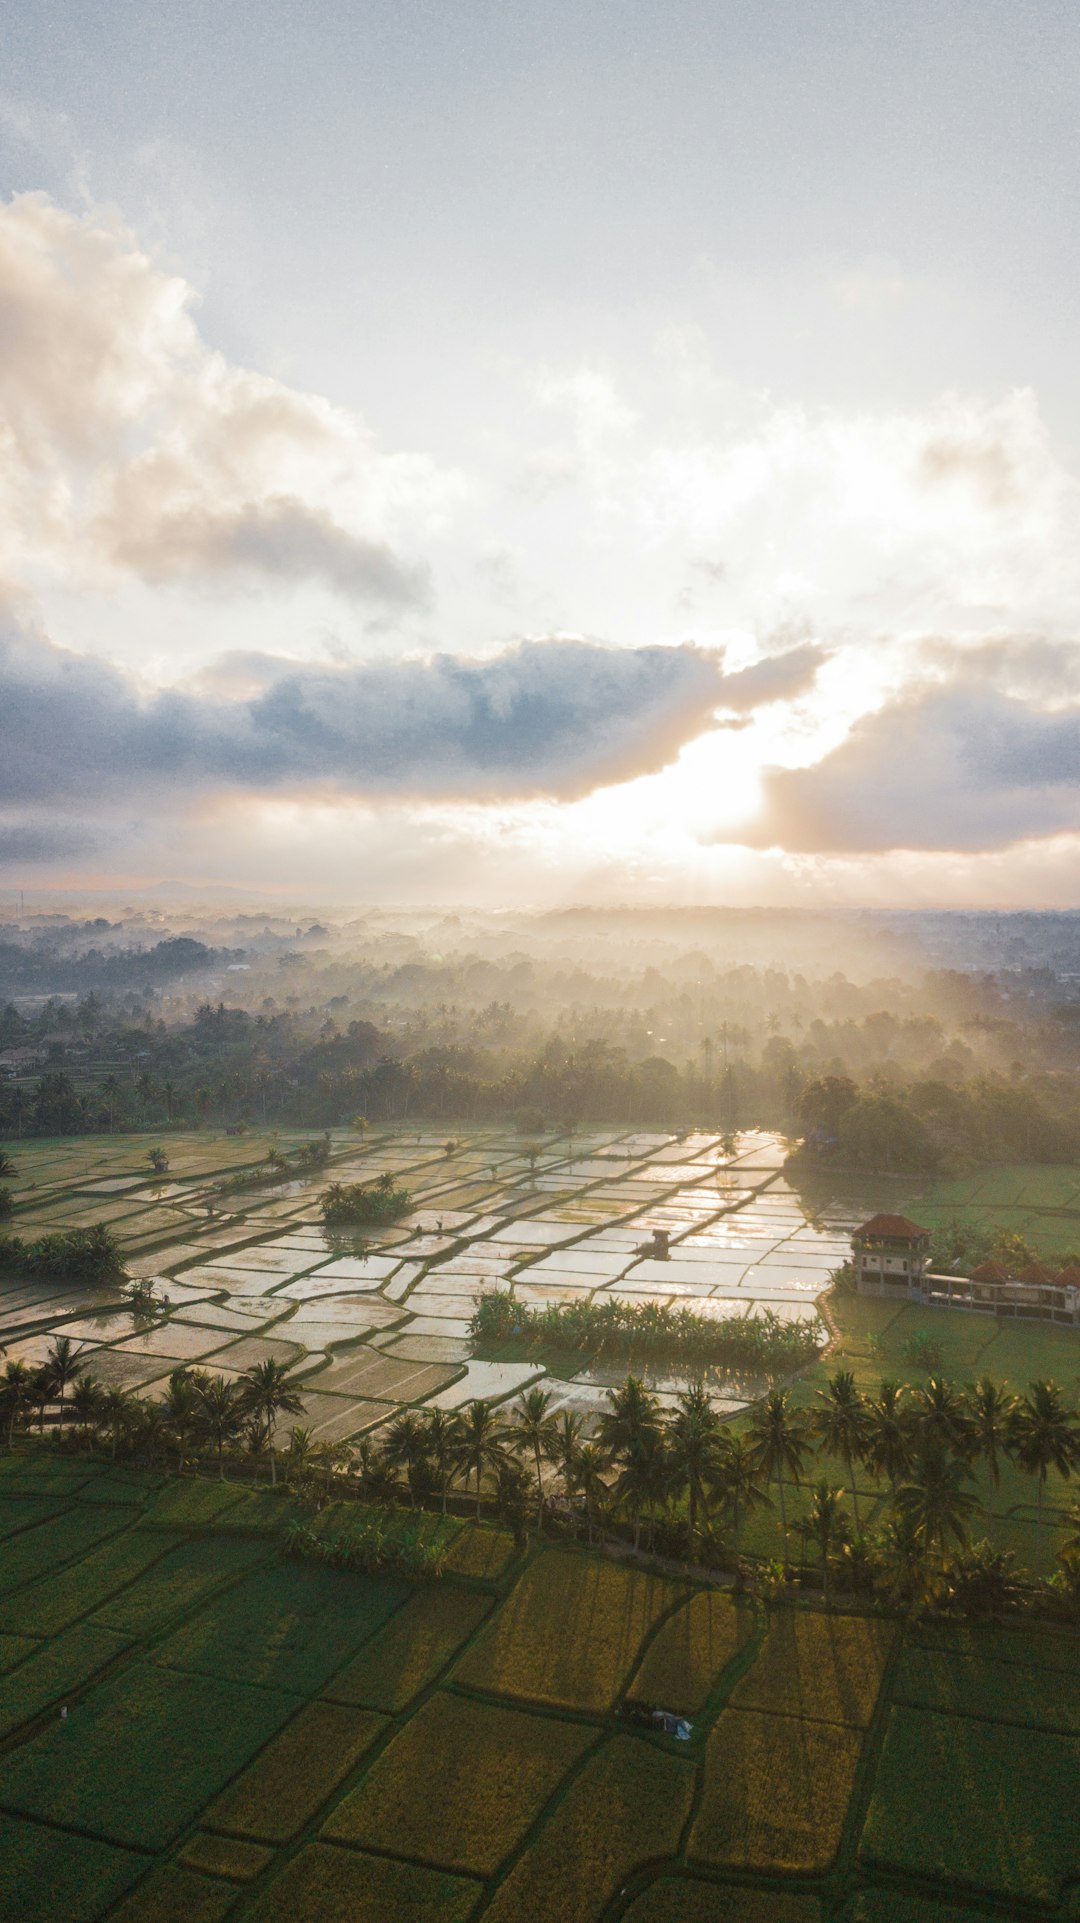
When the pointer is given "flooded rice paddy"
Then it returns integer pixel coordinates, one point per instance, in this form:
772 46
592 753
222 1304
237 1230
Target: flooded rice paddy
378 1321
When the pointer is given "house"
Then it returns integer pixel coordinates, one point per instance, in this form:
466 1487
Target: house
891 1257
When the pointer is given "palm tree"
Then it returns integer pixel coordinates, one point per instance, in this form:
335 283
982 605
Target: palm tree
887 1448
116 1413
738 1478
991 1410
299 1452
268 1394
781 1440
823 1523
645 1479
841 1423
588 1472
480 1443
439 1433
221 1414
373 1472
405 1447
110 1088
631 1413
692 1442
86 1399
181 1407
63 1368
532 1428
933 1501
566 1439
153 1431
938 1413
16 1392
1043 1435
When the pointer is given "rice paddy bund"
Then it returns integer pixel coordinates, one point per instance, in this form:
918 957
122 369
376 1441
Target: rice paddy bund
378 1319
209 1731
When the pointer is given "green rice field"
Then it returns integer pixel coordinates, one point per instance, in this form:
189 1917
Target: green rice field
250 1738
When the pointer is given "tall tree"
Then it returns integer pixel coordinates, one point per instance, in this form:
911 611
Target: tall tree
933 1500
691 1445
780 1435
63 1368
841 1424
1043 1434
888 1437
824 1519
16 1391
221 1414
532 1428
991 1410
405 1447
269 1394
481 1442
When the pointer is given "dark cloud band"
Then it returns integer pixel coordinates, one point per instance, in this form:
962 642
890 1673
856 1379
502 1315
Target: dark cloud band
555 718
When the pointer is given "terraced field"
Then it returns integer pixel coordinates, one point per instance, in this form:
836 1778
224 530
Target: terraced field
271 1742
378 1321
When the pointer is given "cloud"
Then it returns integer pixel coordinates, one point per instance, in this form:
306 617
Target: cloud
132 449
555 718
957 767
46 842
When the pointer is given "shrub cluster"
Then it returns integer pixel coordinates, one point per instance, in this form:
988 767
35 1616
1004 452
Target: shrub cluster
371 1548
757 1344
365 1202
68 1255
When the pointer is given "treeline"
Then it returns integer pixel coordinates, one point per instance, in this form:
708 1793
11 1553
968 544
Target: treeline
229 1067
678 1482
39 969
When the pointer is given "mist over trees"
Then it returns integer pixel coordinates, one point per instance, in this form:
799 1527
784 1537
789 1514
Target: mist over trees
848 1032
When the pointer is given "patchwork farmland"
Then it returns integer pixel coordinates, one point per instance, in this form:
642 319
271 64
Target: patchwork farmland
213 1731
376 1321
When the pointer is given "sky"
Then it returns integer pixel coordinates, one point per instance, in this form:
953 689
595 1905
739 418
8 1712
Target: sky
523 454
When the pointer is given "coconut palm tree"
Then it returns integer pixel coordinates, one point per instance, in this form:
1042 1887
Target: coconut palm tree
532 1428
63 1368
1043 1435
645 1480
221 1414
933 1501
780 1436
887 1450
737 1476
16 1395
480 1442
937 1413
268 1393
296 1462
823 1523
588 1471
566 1439
372 1471
86 1401
405 1447
841 1424
439 1433
631 1413
116 1411
181 1408
691 1438
991 1410
152 1429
